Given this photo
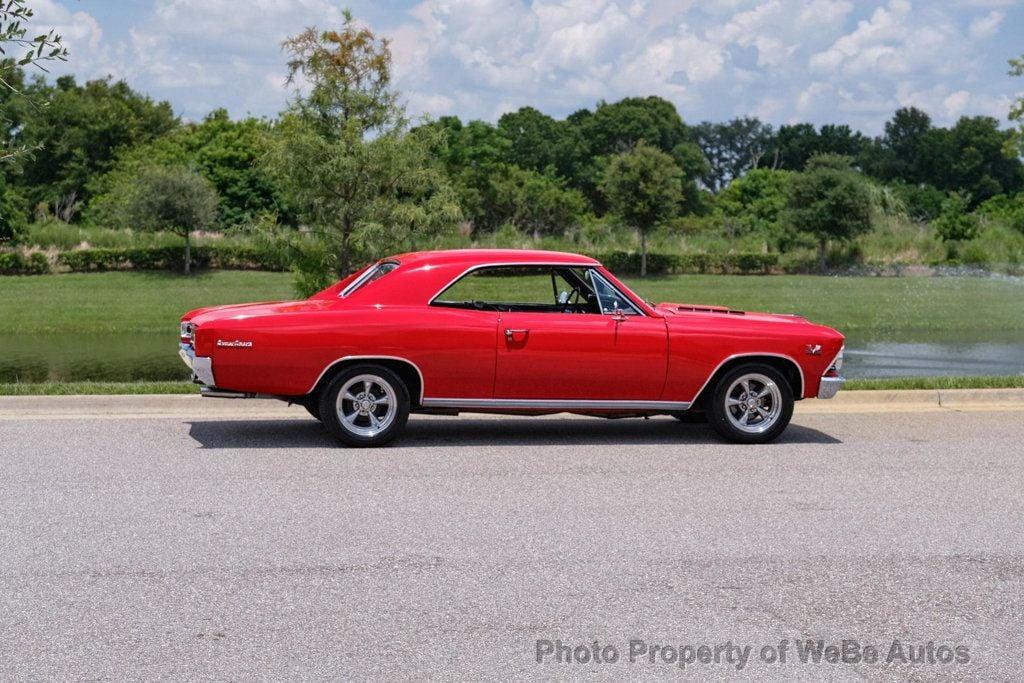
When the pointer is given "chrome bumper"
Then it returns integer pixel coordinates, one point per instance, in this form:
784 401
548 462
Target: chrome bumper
201 366
830 386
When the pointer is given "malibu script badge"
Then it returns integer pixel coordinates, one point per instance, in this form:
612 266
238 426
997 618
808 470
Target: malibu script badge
238 343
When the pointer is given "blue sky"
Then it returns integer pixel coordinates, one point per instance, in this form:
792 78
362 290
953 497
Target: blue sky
781 60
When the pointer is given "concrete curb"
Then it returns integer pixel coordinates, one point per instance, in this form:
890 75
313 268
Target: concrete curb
917 400
196 407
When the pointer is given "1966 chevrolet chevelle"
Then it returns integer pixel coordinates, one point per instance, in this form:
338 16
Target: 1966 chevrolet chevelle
507 331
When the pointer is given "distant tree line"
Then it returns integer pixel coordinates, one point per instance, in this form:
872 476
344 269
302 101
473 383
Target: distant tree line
344 164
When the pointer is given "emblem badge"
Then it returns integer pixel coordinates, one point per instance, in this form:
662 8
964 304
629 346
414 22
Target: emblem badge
234 342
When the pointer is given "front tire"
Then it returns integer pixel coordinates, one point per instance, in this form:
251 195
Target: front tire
752 403
365 406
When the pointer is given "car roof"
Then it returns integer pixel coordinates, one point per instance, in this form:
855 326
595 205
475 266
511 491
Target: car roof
482 257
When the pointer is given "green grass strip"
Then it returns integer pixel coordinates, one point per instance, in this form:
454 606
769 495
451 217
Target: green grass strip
900 383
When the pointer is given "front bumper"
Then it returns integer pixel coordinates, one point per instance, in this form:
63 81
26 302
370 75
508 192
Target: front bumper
830 386
201 366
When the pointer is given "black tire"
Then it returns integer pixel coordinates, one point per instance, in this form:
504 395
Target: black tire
312 406
691 417
386 389
776 403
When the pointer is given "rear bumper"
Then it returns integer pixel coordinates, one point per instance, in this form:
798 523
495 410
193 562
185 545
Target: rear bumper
830 386
201 366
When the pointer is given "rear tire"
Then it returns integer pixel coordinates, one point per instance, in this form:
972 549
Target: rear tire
365 406
752 403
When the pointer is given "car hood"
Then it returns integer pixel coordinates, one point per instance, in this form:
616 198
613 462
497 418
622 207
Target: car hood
702 310
210 314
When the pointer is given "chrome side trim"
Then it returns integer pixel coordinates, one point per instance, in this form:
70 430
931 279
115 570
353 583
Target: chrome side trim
377 357
797 394
551 404
209 392
202 367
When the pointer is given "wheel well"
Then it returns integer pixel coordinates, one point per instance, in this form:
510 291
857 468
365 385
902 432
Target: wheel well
787 367
405 370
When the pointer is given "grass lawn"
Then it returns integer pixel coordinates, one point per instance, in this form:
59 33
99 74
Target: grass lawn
945 305
125 302
153 302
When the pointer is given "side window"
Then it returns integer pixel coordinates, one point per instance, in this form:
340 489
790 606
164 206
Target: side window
609 298
372 273
504 288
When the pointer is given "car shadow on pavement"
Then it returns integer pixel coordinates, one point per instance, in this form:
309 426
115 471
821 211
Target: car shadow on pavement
476 431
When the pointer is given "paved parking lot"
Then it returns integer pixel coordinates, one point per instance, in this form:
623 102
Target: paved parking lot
201 544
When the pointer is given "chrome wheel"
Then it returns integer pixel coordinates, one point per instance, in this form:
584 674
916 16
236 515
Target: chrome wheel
366 405
753 403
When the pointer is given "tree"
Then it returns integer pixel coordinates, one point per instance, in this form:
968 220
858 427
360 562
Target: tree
829 201
12 211
618 127
534 202
15 16
223 151
1015 145
170 198
755 202
77 132
896 155
955 223
793 145
344 155
731 149
538 142
643 188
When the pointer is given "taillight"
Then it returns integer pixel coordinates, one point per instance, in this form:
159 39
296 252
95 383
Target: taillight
188 334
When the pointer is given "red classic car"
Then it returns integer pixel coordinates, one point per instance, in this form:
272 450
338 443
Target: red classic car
508 331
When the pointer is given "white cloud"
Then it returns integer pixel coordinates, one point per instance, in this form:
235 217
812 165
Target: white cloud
986 26
783 60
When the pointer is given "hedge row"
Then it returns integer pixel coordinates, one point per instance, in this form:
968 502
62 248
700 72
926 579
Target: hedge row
172 258
660 264
16 263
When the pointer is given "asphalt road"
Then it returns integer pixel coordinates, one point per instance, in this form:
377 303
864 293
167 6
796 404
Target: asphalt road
205 547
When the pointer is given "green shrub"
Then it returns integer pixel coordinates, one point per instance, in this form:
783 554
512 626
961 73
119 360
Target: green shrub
224 257
974 254
16 263
662 264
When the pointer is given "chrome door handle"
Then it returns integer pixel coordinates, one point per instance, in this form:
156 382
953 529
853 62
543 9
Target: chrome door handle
509 334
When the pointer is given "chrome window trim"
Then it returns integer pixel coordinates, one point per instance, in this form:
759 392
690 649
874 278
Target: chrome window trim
589 266
594 272
551 404
372 357
718 367
364 276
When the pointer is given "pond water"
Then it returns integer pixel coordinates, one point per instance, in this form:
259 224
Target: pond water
932 359
121 358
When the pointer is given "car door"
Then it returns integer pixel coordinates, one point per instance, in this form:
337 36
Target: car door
612 353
